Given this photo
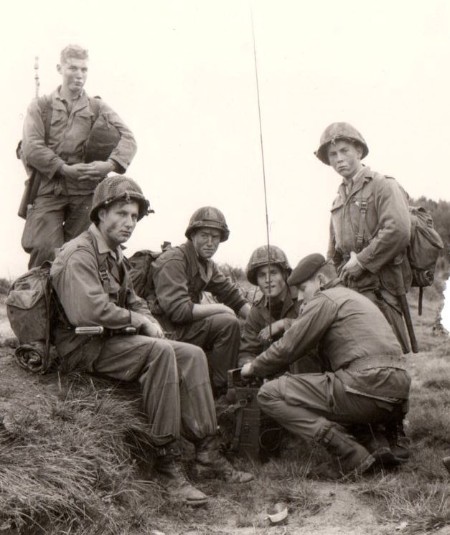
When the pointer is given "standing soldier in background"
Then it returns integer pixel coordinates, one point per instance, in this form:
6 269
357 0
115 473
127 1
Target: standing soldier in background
55 135
181 274
370 226
369 233
278 308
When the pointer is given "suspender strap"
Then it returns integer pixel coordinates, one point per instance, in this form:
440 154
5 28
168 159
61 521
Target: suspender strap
361 226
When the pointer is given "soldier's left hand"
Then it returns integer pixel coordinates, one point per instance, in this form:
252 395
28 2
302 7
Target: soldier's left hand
98 169
270 331
247 370
352 269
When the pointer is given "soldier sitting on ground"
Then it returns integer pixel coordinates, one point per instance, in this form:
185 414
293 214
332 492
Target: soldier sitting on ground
367 384
278 308
180 275
92 283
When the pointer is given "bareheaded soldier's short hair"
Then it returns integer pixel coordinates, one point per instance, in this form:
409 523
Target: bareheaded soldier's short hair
73 51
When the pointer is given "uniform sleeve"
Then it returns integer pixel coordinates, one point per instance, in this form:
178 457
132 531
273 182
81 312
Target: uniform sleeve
171 288
332 253
79 288
316 318
250 345
126 149
225 290
35 152
394 227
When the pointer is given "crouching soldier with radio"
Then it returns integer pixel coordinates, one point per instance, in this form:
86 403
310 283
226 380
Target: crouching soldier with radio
278 308
91 280
367 382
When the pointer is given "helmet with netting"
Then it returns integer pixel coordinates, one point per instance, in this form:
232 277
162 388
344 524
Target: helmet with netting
263 256
208 217
118 188
340 132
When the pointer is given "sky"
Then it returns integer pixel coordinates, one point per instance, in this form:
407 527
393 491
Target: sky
181 74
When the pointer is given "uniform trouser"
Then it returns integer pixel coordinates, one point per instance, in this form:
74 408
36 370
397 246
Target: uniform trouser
219 336
307 404
52 221
174 381
393 315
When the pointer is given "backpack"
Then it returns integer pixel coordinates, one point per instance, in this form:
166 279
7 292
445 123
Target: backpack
30 309
141 274
424 246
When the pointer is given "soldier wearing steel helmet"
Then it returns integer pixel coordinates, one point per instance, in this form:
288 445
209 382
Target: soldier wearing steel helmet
277 309
370 226
90 277
181 274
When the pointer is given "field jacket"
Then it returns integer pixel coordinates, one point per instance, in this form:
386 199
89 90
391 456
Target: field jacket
180 277
66 139
93 288
384 232
259 318
352 335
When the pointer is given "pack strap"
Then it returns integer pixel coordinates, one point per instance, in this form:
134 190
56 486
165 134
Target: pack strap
362 227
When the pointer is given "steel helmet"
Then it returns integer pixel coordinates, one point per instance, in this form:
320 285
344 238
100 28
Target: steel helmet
118 188
339 131
208 217
264 255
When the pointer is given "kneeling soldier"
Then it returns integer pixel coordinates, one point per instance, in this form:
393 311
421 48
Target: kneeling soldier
367 383
91 280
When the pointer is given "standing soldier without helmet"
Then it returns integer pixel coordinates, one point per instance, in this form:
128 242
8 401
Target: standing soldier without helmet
55 132
92 283
369 233
181 274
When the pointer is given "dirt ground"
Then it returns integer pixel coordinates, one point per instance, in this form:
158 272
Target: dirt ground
345 512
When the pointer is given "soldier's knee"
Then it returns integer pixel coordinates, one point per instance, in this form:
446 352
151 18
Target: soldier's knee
268 393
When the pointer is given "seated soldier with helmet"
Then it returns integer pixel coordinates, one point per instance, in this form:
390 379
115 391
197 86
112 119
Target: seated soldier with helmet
367 382
278 308
180 275
91 280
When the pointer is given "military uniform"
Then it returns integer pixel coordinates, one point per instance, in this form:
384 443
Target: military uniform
367 382
61 209
92 284
180 277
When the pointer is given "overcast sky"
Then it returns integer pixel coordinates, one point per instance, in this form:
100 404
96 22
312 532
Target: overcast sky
181 74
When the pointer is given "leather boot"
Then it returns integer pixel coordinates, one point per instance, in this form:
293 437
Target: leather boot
372 437
209 462
172 477
398 441
352 458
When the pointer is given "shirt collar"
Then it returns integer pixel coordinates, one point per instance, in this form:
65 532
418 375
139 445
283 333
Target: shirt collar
102 246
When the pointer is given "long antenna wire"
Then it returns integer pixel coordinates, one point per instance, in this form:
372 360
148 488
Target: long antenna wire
263 169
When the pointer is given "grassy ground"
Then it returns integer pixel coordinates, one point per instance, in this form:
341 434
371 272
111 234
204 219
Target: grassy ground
75 459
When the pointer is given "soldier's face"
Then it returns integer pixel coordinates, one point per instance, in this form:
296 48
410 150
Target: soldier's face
270 280
117 222
307 289
344 158
206 242
74 74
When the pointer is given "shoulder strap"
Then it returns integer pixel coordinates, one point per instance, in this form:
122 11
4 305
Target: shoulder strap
45 106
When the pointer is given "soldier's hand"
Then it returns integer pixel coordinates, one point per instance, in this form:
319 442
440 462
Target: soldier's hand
352 270
98 169
151 329
75 171
247 370
271 330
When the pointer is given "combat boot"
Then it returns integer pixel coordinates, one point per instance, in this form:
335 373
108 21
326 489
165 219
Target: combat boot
352 458
210 463
398 441
374 440
173 479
